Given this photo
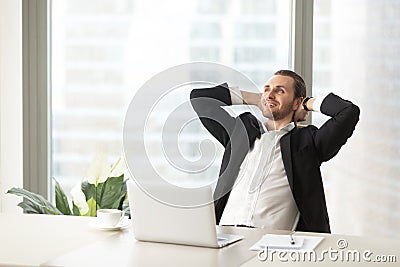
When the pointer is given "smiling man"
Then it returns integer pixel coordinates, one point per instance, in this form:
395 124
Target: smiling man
270 173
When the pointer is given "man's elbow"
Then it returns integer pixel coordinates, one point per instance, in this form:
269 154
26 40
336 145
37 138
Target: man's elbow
194 94
355 110
200 103
351 118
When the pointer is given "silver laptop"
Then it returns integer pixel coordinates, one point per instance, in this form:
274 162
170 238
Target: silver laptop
158 222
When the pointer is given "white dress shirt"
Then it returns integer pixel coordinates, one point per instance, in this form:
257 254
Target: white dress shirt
261 196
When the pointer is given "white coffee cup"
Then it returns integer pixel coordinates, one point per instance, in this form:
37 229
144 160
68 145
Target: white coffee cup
109 217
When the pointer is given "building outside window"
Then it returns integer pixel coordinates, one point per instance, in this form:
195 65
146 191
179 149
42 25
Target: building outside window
103 51
356 55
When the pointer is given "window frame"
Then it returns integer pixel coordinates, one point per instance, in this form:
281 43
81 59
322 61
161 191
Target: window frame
36 100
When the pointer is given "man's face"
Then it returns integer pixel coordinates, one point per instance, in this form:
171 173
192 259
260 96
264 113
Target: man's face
278 100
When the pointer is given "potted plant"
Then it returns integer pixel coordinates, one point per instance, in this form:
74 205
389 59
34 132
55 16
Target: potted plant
103 188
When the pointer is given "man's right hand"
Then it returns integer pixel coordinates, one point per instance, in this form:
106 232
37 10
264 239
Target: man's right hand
300 114
250 98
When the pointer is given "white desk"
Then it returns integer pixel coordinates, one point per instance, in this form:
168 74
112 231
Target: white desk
44 240
123 250
30 240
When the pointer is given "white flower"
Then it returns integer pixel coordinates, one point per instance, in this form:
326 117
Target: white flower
119 167
99 169
79 199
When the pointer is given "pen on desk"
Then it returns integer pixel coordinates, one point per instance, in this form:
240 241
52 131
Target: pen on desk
291 238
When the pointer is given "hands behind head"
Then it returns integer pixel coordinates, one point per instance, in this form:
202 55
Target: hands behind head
300 114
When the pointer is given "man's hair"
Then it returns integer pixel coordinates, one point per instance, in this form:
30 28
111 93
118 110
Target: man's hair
299 84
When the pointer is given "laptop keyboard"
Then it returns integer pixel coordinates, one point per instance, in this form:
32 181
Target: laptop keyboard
223 237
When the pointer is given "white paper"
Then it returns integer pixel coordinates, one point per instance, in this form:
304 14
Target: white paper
282 243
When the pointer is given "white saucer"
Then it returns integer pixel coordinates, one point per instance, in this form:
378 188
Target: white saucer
121 225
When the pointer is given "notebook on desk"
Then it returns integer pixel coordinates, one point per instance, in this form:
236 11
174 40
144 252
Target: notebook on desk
299 243
158 222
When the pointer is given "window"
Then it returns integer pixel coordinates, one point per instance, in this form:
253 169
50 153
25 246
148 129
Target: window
104 50
356 55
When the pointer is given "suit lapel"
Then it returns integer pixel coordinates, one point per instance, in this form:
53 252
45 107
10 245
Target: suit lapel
287 157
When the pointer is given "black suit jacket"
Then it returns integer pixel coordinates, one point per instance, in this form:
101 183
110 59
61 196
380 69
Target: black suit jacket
303 150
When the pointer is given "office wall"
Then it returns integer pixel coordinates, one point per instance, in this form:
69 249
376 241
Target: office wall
10 103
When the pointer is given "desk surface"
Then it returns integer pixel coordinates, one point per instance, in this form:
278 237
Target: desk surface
30 240
44 240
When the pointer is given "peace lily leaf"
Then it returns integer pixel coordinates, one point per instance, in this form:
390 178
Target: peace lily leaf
119 202
93 191
30 208
75 210
99 193
99 169
61 200
89 190
79 199
113 192
35 201
92 207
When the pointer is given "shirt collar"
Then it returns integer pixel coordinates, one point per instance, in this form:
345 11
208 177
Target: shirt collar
284 129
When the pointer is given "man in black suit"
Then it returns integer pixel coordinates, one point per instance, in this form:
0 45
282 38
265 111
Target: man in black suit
270 172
